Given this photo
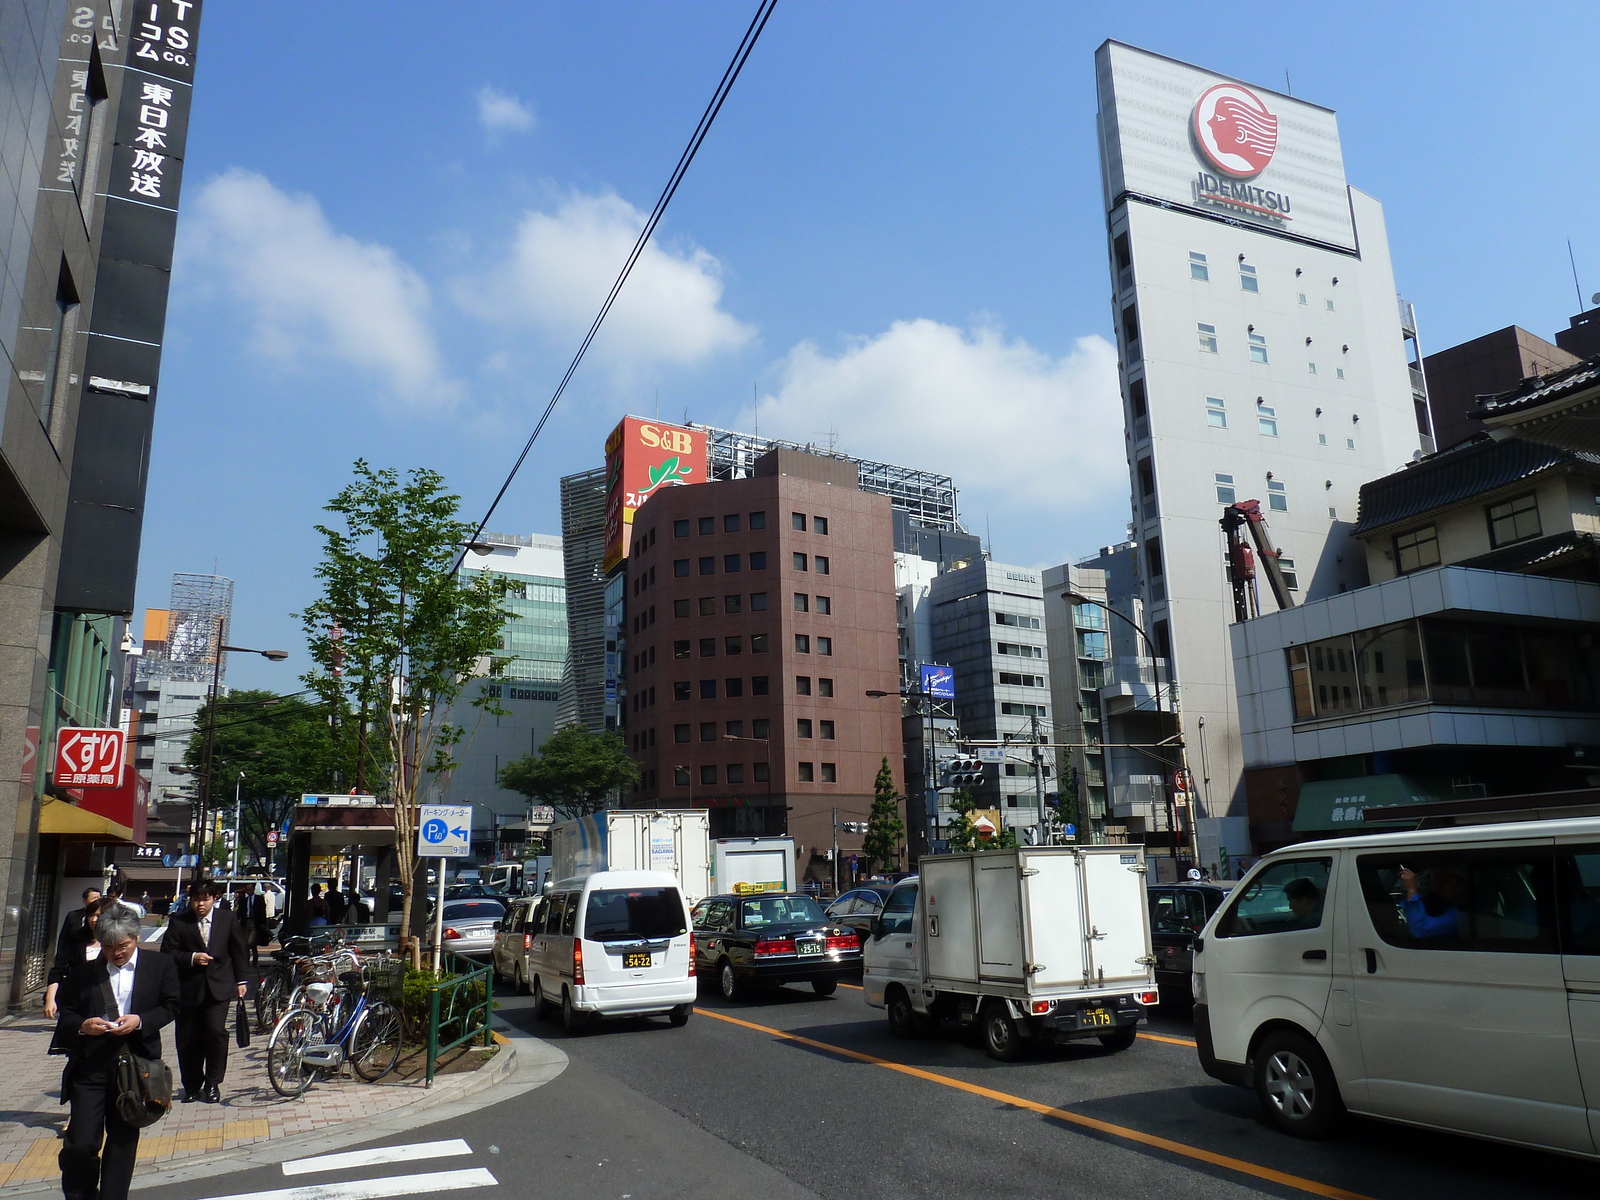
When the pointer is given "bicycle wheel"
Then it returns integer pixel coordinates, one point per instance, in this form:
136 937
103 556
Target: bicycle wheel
375 1042
296 1030
271 999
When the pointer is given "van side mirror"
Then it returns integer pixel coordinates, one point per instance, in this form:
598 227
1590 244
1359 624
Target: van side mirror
876 928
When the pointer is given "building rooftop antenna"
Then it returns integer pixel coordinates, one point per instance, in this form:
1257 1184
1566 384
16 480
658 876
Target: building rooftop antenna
1574 263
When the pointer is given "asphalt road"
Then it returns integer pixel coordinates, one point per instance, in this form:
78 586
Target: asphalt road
792 1095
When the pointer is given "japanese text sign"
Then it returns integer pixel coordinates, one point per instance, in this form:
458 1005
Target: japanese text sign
89 758
642 457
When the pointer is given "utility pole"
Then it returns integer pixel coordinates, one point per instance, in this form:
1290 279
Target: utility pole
1042 838
238 830
836 850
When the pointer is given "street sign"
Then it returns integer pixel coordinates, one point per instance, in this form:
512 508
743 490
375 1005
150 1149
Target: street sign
444 831
272 837
938 682
991 754
88 757
180 860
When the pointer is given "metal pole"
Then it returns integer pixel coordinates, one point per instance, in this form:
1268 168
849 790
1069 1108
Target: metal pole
438 918
930 790
238 831
836 850
211 742
1040 837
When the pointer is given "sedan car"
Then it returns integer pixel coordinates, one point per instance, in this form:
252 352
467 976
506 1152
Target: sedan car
857 907
469 925
748 941
1178 912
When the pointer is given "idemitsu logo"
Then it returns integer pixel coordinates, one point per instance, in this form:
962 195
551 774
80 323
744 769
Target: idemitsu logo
1234 130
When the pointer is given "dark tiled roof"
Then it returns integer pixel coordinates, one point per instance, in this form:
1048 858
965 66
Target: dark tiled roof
1538 552
1533 392
1455 475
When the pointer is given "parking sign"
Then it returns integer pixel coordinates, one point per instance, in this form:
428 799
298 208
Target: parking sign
444 831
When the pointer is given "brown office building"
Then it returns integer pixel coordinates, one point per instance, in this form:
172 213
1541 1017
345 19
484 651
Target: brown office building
761 611
1496 362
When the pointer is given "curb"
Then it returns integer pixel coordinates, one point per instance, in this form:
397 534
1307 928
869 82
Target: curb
523 1064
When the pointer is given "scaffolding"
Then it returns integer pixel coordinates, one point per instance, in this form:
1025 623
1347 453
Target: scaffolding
201 608
927 497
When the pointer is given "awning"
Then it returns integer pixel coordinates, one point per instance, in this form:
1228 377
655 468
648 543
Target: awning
1336 805
57 816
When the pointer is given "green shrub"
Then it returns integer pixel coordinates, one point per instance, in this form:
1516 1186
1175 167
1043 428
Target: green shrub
415 1000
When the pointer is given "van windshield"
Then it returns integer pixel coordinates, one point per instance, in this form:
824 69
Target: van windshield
623 914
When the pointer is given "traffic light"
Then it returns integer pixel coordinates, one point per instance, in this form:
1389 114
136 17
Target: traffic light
230 839
962 771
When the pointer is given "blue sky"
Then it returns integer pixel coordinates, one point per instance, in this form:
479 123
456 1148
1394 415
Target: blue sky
399 217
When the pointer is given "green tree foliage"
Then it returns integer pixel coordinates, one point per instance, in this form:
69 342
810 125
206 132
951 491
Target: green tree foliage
884 826
281 745
1068 806
964 833
397 635
574 772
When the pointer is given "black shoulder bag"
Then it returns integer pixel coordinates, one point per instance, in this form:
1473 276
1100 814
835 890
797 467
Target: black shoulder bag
144 1085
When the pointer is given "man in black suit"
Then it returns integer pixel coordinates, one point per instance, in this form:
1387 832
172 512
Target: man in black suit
207 943
124 997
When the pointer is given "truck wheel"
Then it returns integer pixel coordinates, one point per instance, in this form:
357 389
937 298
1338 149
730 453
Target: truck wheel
679 1016
824 987
1296 1086
1121 1039
541 1006
1001 1037
902 1017
572 1020
731 986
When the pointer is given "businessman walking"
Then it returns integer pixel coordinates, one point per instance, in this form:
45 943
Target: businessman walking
207 943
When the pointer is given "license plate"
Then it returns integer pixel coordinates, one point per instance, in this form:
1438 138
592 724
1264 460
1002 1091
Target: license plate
636 960
808 948
1094 1016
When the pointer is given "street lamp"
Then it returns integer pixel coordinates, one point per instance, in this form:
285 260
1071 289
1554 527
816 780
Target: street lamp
1076 597
211 725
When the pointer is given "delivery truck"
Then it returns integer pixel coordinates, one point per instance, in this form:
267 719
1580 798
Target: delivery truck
1039 945
637 840
749 865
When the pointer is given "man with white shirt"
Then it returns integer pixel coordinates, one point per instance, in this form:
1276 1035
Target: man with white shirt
207 944
121 998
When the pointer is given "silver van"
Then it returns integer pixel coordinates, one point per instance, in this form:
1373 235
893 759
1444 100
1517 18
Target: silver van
1446 978
615 943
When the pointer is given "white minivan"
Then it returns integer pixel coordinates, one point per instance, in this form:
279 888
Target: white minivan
1448 978
615 943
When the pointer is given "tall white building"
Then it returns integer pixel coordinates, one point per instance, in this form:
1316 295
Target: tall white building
1264 355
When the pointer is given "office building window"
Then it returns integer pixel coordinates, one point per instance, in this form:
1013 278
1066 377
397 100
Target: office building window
708 647
1291 578
798 521
708 564
758 520
680 733
802 643
1266 421
1225 492
680 608
1322 439
1338 372
824 686
802 602
1329 303
802 727
802 685
759 727
730 563
820 562
735 772
1416 549
758 643
1277 496
730 523
758 602
761 772
1311 368
708 689
732 604
1198 268
733 688
804 772
825 730
708 731
1302 297
733 644
736 729
758 685
1152 557
1349 443
680 528
1247 278
758 560
1208 338
708 606
1516 520
824 606
680 567
825 645
830 773
680 649
708 773
799 562
680 776
1333 513
680 690
708 525
819 525
1216 412
1258 348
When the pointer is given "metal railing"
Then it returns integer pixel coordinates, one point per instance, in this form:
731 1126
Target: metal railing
1134 671
453 1007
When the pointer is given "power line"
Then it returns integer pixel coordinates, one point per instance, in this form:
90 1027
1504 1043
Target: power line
724 86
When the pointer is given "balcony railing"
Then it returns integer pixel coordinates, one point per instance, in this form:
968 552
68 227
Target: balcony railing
1130 671
1419 383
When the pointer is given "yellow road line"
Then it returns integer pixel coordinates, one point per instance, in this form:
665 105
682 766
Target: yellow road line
1254 1170
1161 1037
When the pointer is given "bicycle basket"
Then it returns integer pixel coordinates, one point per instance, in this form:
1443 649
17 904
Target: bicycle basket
386 977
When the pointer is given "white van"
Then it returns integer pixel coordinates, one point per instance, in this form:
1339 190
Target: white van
615 943
1447 978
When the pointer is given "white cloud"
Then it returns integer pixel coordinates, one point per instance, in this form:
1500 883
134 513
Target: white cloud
561 265
1025 435
501 112
314 293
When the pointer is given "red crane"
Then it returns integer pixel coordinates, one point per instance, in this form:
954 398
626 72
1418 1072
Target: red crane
1247 514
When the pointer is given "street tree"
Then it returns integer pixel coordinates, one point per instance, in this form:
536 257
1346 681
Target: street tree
574 771
397 635
884 826
269 750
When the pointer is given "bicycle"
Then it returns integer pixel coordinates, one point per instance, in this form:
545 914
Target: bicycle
297 963
321 1034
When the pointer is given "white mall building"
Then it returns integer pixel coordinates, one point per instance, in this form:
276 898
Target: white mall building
1264 355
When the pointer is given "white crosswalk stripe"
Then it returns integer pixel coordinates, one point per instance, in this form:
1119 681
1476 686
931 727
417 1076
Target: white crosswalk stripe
421 1183
372 1158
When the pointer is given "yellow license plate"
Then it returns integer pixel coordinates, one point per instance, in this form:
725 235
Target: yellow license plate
635 960
1096 1016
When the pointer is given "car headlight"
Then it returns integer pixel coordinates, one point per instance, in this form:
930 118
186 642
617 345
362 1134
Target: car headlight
1197 985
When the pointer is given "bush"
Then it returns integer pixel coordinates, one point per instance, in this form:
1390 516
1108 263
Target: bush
414 1005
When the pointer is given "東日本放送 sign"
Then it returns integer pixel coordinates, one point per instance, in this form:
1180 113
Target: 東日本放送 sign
642 457
88 758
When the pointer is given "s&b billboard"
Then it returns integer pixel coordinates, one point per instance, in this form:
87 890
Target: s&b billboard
642 457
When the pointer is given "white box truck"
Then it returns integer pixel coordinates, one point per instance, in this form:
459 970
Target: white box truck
637 840
752 864
1047 944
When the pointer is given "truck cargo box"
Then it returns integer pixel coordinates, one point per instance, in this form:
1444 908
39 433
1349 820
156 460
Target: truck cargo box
637 840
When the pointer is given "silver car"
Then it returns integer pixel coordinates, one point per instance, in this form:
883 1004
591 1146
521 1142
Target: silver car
469 925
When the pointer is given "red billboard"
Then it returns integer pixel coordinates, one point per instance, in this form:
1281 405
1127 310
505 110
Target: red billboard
643 457
88 758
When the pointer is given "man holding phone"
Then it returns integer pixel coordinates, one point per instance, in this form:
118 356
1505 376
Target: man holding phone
121 998
207 943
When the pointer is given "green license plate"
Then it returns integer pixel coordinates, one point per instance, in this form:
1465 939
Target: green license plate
1095 1016
636 960
808 948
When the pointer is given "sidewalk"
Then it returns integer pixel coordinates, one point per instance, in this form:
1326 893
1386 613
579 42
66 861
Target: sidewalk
32 1120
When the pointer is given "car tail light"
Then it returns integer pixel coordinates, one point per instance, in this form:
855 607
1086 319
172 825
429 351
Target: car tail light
844 941
765 948
577 963
691 956
527 941
451 933
1040 1007
1149 997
